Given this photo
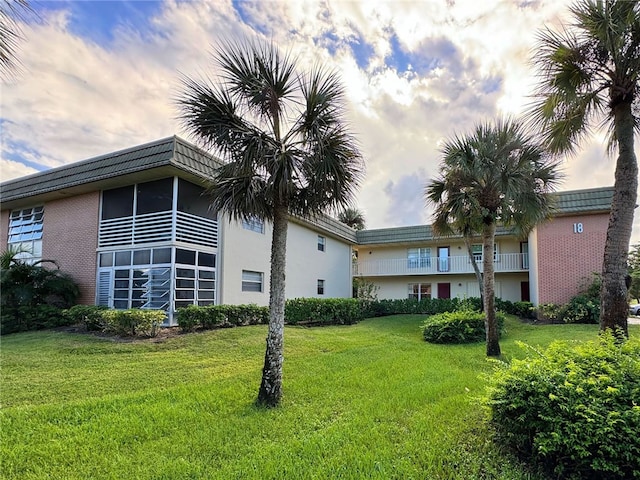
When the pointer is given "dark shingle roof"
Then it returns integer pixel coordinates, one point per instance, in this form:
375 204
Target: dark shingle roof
584 201
593 200
171 152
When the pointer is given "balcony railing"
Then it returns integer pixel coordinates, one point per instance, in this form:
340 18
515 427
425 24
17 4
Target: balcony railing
505 262
158 227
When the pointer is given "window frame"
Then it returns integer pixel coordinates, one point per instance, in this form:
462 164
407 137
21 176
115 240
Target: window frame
419 257
418 294
247 281
322 243
321 286
253 224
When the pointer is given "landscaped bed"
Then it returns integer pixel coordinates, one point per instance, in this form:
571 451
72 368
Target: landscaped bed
371 400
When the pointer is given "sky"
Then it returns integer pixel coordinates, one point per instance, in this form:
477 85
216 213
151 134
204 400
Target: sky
99 76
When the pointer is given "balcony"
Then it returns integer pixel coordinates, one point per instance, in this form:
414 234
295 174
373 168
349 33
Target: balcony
158 227
505 262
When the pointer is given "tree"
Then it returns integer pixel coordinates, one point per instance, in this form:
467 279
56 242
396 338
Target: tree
12 12
286 151
634 271
588 76
352 217
496 175
31 295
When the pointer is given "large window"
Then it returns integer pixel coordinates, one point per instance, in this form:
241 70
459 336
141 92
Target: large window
251 281
192 199
254 224
419 290
418 257
25 232
147 278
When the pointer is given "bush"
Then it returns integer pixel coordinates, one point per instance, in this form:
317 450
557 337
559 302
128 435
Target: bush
89 315
32 297
133 322
581 309
462 326
321 311
23 318
213 316
573 409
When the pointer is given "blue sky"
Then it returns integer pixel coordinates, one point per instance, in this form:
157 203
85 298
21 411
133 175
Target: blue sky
101 75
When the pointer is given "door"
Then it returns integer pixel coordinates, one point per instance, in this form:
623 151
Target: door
524 250
443 259
524 292
444 290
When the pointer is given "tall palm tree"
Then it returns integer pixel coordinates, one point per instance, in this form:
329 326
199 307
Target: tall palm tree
496 175
352 217
12 13
286 150
589 75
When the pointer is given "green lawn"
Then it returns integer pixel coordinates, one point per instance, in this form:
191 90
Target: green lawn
366 401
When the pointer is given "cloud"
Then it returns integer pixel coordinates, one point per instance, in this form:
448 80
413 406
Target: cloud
415 73
406 200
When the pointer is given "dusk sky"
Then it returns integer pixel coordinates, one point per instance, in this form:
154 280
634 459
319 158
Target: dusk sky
102 76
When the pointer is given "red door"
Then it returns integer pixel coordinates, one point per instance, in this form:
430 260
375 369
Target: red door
524 292
444 290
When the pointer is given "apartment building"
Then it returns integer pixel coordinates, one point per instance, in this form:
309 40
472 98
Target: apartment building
135 231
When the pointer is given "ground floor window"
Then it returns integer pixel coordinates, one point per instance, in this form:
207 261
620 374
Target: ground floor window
252 281
164 278
419 290
320 287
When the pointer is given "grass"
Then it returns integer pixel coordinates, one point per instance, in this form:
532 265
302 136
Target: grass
371 400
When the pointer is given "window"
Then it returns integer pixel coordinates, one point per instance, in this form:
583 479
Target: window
254 224
419 290
25 232
321 243
476 249
155 196
117 203
251 281
191 200
418 257
320 287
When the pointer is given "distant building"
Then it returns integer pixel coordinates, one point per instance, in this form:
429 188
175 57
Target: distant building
134 230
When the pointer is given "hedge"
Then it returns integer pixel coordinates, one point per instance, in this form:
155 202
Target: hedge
573 409
320 311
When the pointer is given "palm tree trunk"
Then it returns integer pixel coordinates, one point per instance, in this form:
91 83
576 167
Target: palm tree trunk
613 300
270 391
490 323
474 264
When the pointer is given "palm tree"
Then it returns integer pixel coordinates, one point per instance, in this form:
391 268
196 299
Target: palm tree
352 217
12 12
286 149
589 77
496 175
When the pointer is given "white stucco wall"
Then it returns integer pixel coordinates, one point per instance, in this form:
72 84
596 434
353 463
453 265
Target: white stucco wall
248 250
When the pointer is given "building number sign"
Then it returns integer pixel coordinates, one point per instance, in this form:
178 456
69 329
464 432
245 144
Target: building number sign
578 228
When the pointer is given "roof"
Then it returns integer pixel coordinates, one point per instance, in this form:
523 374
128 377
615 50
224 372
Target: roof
330 226
168 155
591 200
594 200
407 235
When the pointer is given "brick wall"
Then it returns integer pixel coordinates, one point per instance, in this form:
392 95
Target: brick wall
70 236
566 258
4 229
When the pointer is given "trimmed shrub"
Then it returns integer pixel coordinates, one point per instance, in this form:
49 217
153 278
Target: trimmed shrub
89 315
215 316
573 409
23 318
462 326
133 322
323 311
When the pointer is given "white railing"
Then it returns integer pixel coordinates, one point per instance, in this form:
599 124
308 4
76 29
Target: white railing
158 227
505 262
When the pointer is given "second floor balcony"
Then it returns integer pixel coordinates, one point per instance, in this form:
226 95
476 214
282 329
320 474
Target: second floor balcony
505 262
